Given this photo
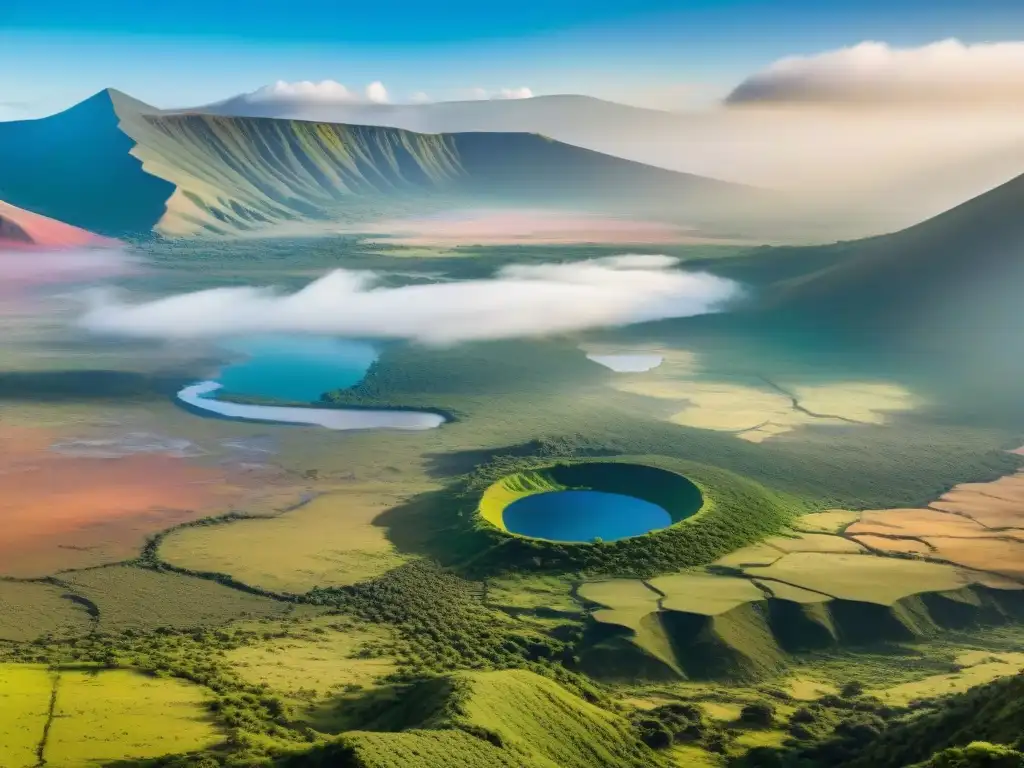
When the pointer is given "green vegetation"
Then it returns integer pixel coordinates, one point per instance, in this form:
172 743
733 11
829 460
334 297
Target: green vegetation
943 733
444 624
386 624
314 659
493 719
25 692
112 714
129 597
537 594
86 716
32 609
977 754
734 512
328 541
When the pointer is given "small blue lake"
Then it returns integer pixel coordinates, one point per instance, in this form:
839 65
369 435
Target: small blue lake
583 516
297 369
294 368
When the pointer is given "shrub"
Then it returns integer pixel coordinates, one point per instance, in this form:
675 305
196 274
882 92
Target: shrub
759 713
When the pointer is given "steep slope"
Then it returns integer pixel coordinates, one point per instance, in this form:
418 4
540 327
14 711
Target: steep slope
76 167
980 728
234 175
723 627
490 719
988 713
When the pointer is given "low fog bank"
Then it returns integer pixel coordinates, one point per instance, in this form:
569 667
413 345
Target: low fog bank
23 268
518 301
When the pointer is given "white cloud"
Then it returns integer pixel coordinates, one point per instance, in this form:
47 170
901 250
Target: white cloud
514 93
519 301
482 94
377 93
640 261
324 92
329 92
947 71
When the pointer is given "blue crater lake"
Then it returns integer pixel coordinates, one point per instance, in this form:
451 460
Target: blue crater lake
580 516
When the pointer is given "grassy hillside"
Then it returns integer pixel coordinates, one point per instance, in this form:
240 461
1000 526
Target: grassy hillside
490 719
982 727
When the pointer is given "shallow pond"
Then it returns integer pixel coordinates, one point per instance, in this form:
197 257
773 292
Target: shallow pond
583 516
633 363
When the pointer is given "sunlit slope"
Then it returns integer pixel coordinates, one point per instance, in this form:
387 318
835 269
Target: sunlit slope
493 720
233 175
992 713
76 167
116 166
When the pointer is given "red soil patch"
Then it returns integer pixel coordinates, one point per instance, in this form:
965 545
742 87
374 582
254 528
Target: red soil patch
59 512
24 228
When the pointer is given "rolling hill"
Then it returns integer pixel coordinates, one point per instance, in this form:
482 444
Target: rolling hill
497 719
979 728
935 261
117 166
953 278
940 300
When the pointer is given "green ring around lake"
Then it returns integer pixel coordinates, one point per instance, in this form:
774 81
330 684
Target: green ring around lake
677 495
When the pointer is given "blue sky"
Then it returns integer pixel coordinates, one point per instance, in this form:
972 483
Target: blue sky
666 53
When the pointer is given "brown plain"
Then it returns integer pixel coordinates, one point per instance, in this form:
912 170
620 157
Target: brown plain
974 525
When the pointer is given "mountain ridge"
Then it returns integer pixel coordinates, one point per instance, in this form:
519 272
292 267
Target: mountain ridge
117 166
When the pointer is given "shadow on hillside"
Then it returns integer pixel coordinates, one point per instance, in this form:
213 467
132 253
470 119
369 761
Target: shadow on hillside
435 524
388 708
455 463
